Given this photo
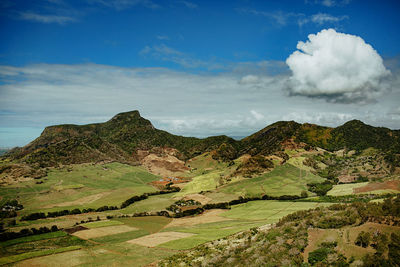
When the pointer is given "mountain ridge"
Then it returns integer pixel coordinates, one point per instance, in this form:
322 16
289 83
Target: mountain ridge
121 137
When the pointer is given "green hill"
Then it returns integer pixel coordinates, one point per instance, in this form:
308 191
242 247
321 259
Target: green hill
122 136
117 139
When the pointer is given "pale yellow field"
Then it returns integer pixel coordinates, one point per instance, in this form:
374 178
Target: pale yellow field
158 238
104 231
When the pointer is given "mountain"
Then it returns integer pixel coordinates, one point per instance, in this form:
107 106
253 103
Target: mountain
4 150
353 135
126 134
118 139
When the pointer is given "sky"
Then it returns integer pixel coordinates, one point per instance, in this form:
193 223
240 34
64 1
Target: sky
197 68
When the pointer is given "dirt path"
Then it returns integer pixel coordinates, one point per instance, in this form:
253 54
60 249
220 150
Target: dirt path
263 189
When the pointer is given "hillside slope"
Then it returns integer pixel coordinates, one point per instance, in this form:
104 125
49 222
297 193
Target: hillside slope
126 134
118 139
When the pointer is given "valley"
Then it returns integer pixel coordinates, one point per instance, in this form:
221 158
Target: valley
123 192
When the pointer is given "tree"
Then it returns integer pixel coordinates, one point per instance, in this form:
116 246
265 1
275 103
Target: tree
363 239
394 250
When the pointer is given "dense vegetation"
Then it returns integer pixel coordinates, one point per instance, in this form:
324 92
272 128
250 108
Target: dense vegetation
283 245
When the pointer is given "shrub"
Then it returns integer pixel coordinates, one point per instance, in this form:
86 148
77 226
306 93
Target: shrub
320 188
363 239
318 255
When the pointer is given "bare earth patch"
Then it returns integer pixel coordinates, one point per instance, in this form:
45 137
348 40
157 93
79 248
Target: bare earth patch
347 178
206 217
165 165
394 185
104 231
81 201
158 238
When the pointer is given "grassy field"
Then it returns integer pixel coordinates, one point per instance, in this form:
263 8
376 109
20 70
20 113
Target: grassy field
98 224
28 255
348 189
269 211
153 203
86 185
244 217
283 180
344 189
32 238
39 245
81 186
199 183
103 251
113 254
149 224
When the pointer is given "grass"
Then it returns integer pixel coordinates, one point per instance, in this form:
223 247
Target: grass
129 255
81 186
119 238
220 197
283 180
39 245
268 210
207 232
98 224
203 164
33 238
153 203
150 224
344 189
346 236
28 255
298 162
200 183
347 189
244 217
292 152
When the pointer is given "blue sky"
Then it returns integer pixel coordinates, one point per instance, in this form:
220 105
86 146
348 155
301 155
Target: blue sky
188 53
115 34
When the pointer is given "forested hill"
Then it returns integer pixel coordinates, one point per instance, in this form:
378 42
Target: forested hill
125 134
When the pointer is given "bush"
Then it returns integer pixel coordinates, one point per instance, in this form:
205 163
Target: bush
318 255
33 216
320 188
304 194
363 239
394 249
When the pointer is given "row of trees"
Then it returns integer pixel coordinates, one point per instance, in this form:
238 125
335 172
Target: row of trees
126 203
27 232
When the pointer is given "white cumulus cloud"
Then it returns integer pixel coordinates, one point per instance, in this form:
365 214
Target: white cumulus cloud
338 67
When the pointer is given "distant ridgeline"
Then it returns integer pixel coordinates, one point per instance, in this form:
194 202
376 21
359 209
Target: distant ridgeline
120 139
3 150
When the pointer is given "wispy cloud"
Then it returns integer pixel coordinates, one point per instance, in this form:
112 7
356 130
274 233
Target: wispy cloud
280 17
188 4
321 18
46 18
284 18
329 3
125 4
166 53
162 37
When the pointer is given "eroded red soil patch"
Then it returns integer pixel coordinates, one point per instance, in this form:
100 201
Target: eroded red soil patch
394 185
